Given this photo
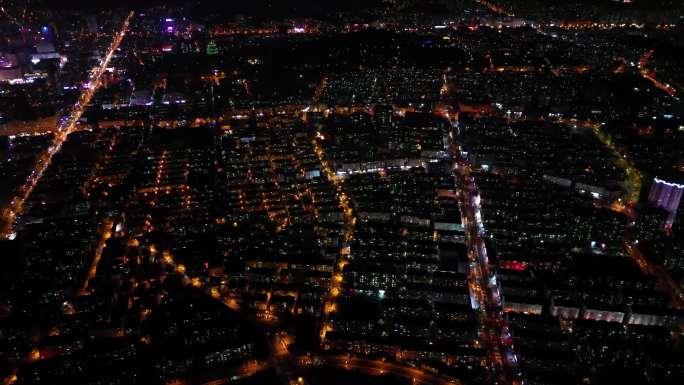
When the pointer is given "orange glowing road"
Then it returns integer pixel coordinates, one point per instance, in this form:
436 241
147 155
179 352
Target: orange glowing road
106 234
347 236
379 367
495 8
650 75
11 379
319 90
245 371
657 271
66 127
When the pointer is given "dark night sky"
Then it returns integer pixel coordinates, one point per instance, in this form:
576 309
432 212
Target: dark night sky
247 6
227 5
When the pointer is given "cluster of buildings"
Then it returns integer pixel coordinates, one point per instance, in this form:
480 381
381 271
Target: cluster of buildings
567 156
88 282
530 73
575 300
403 87
405 293
246 200
45 61
281 218
19 154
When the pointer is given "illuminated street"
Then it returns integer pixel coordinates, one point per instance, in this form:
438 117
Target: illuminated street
483 284
650 76
377 367
67 125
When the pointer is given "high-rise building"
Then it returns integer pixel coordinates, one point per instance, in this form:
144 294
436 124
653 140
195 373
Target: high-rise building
666 195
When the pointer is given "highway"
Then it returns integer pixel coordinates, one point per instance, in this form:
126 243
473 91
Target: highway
66 126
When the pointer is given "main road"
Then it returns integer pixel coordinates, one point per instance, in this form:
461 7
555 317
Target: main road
380 367
484 288
650 75
66 126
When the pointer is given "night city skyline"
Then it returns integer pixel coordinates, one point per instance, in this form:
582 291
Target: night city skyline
433 192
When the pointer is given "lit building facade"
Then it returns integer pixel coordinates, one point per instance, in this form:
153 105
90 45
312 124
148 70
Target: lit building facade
666 195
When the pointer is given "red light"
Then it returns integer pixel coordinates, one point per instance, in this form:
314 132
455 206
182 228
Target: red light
514 265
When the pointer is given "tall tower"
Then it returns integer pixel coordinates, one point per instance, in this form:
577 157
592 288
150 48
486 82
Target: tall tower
666 195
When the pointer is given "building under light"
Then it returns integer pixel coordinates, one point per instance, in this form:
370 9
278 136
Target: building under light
666 195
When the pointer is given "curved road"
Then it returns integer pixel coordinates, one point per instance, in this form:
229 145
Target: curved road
378 367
